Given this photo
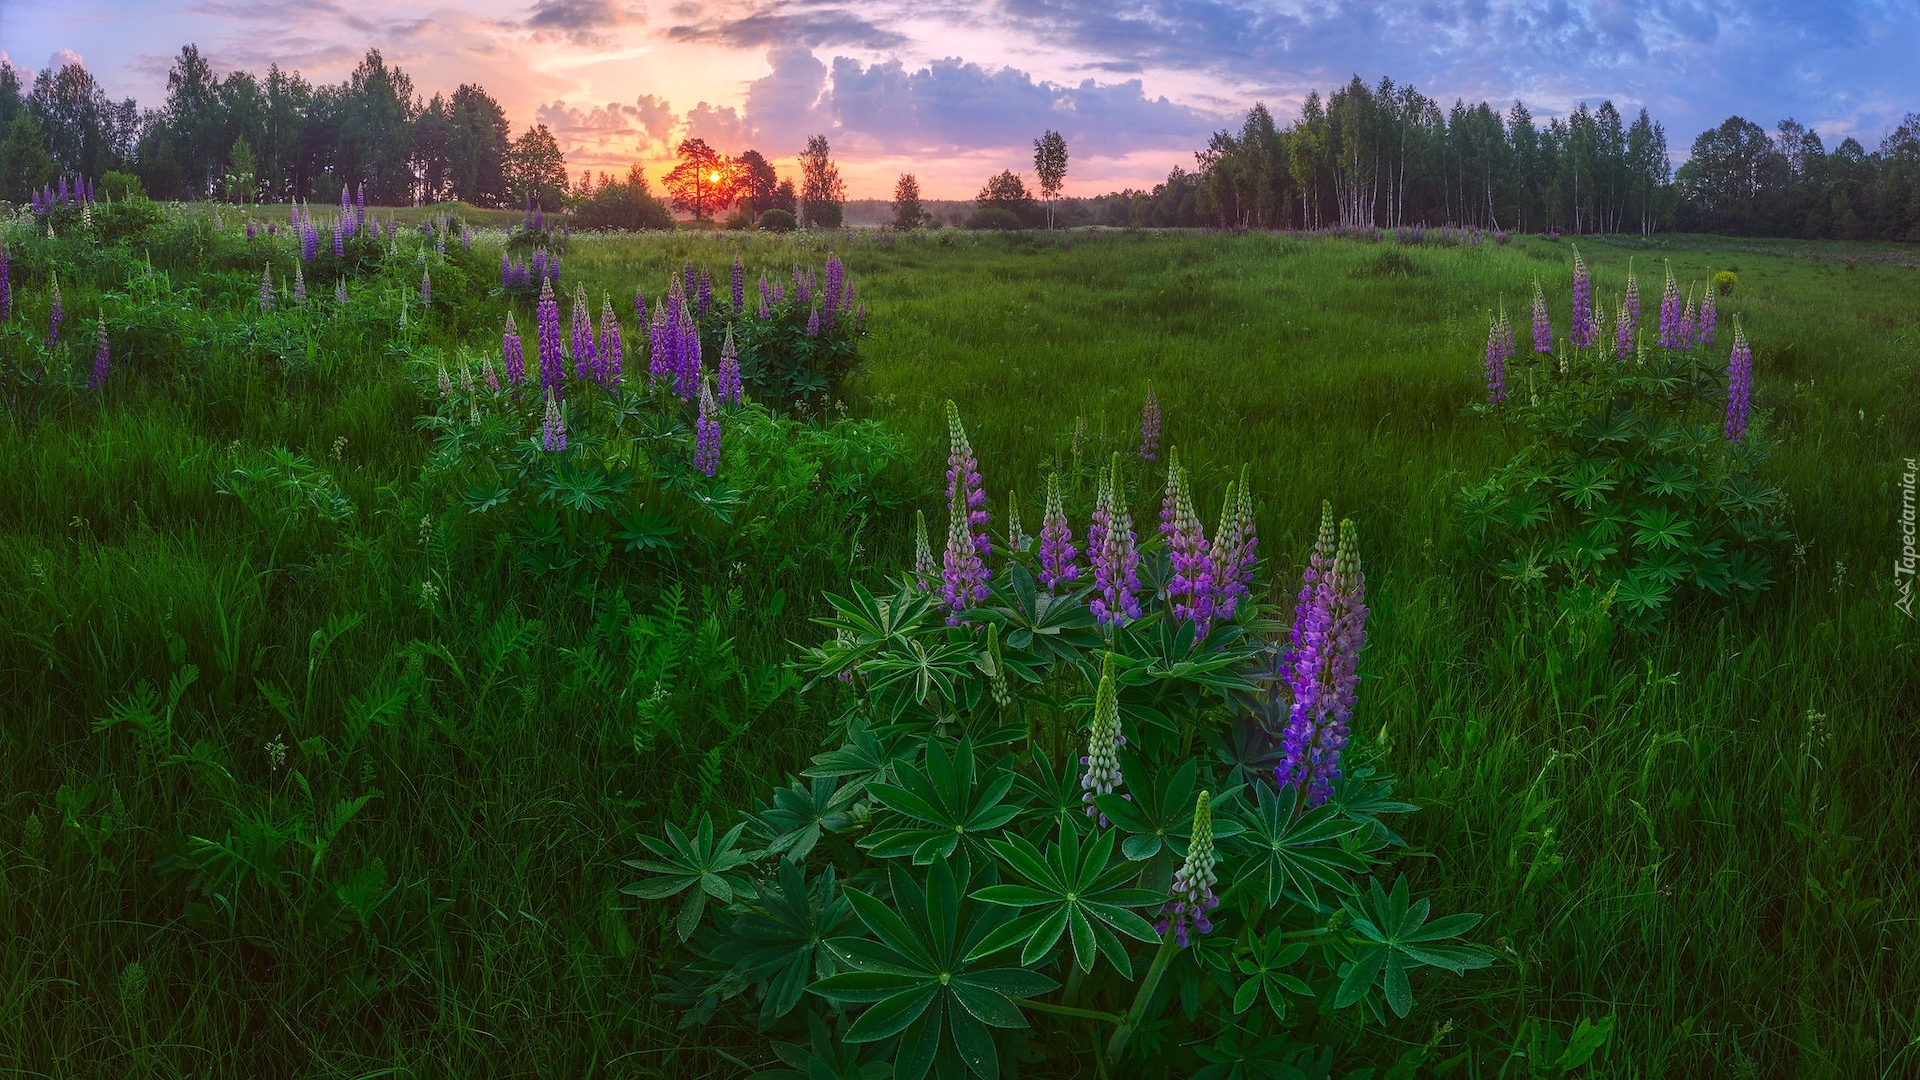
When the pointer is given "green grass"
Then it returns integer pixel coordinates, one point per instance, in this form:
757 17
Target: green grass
1665 834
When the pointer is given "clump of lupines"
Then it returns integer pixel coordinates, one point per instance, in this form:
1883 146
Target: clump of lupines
1499 351
706 450
1235 547
56 311
512 354
99 377
739 286
1102 759
1329 631
1703 328
553 427
1116 564
6 284
1057 568
586 361
1739 384
1150 427
1542 328
1670 314
729 387
1190 587
1584 334
547 318
1193 899
266 287
924 568
611 350
963 567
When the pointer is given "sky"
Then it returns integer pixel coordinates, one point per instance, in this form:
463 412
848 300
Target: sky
955 91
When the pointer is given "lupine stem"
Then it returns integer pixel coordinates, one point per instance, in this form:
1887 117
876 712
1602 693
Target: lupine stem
1117 1045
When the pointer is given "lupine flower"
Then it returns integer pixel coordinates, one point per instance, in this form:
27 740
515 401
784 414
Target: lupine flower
766 309
611 348
512 355
1150 427
1016 532
1104 740
6 284
1235 547
1703 328
1584 334
660 348
553 427
250 231
538 268
466 377
1542 328
1116 564
1685 333
729 378
339 240
1496 362
706 293
266 288
553 371
640 308
55 313
739 286
706 451
690 281
1670 313
813 322
686 381
492 377
836 281
1329 632
1739 384
1193 897
586 360
426 287
446 384
924 569
506 271
1190 587
539 218
1170 495
299 286
309 241
99 377
1622 333
1057 567
963 569
360 207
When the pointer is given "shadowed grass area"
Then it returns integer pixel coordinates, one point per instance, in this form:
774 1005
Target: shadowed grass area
1705 834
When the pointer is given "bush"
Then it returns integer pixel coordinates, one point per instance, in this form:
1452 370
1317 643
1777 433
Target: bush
120 185
824 214
1725 281
994 217
623 206
779 221
741 218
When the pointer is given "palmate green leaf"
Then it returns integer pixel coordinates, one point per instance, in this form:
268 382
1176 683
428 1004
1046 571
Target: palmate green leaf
1286 850
1053 795
778 939
792 825
1075 890
1158 815
1264 961
1661 527
941 804
862 760
683 863
921 979
828 1057
1395 937
1588 482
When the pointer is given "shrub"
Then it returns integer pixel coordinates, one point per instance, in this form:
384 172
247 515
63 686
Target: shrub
993 217
624 206
778 221
121 185
1725 282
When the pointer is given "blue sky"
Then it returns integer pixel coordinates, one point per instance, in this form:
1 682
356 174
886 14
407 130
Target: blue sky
955 91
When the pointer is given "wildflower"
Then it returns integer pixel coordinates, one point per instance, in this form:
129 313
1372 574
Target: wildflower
813 322
547 319
99 377
1190 586
1016 533
611 348
1542 328
1169 496
729 378
1685 333
6 285
706 293
512 354
340 292
446 384
553 428
1104 740
506 271
924 569
1116 564
1583 333
640 308
1622 332
299 286
426 287
688 369
492 376
360 208
1703 327
1150 427
691 280
1670 315
766 310
739 286
339 238
56 311
1497 360
1328 633
660 348
1739 384
1192 892
586 361
836 280
1234 547
1102 513
963 569
706 451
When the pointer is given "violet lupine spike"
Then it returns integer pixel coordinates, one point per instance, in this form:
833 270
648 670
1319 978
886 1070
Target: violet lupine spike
266 287
1104 740
553 425
687 375
56 311
1496 363
6 284
1305 643
1583 333
1016 532
1739 384
1235 547
1329 634
766 308
690 280
1057 568
339 240
490 374
1150 427
506 271
1348 636
706 293
426 287
1703 329
299 287
1685 334
586 360
1670 314
99 377
553 371
640 308
813 322
1542 327
924 568
830 299
706 451
739 286
611 348
661 349
1190 586
963 480
360 207
512 354
1622 333
729 386
963 567
1192 896
1631 302
1116 565
1169 495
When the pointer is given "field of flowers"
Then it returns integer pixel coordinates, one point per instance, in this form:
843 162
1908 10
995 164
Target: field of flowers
440 643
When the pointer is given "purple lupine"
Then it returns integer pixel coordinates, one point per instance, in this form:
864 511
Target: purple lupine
924 568
309 241
1542 328
1016 533
553 268
1303 647
1057 568
340 292
1703 327
1583 334
250 230
689 281
1193 898
512 354
729 378
538 267
1102 513
1739 384
360 208
779 292
553 370
1190 587
539 218
1631 302
6 284
706 293
836 282
1169 495
426 287
1622 333
611 348
1235 547
56 311
266 287
640 308
1150 428
964 569
660 348
492 377
706 450
299 286
99 377
339 240
1329 635
1685 334
813 322
1496 362
553 425
739 286
1104 740
688 373
506 271
586 360
1670 313
1116 565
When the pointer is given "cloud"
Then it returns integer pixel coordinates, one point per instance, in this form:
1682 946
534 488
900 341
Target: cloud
791 24
64 57
610 134
584 22
722 126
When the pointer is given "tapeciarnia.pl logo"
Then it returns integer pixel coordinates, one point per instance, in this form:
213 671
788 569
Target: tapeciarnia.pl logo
1904 565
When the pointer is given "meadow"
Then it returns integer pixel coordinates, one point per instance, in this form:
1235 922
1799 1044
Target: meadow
380 830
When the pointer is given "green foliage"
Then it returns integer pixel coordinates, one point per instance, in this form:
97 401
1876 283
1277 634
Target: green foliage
777 220
993 217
